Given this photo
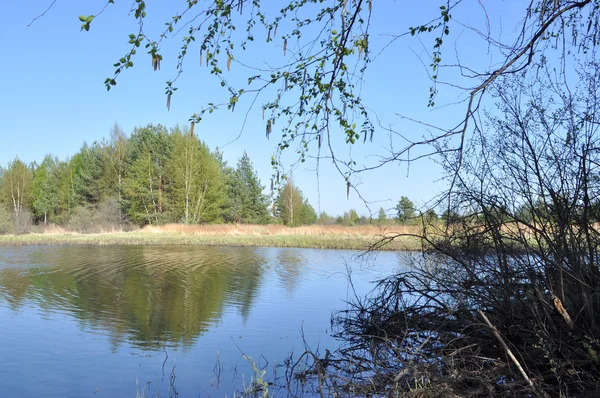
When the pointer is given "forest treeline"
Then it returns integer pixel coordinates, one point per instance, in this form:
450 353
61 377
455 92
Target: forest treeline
153 176
156 175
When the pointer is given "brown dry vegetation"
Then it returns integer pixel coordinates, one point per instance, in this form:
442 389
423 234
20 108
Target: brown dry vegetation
315 236
274 230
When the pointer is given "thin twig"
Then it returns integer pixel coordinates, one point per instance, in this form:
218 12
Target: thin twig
42 14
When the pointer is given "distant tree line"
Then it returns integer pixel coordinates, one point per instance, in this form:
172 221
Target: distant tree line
155 176
405 213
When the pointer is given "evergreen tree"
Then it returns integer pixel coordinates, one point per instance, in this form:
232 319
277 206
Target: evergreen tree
309 215
235 199
382 217
430 216
450 217
405 210
252 201
245 201
148 151
230 207
87 173
229 179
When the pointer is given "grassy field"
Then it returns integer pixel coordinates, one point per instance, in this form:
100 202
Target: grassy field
314 236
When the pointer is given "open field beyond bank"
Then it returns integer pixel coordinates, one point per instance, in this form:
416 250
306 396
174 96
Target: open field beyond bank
320 237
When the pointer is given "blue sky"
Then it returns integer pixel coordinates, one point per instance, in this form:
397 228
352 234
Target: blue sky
54 98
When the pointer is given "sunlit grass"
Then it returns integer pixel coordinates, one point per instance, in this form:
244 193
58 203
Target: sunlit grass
321 237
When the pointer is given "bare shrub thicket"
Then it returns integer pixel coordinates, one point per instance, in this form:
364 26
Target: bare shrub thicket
106 216
23 223
506 300
6 225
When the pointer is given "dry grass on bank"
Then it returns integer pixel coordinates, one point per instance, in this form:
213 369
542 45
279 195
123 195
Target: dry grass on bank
281 230
315 236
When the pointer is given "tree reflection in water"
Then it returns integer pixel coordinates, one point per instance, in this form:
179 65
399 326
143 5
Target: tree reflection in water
152 296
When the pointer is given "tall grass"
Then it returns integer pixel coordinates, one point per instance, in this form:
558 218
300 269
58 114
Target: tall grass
314 236
274 229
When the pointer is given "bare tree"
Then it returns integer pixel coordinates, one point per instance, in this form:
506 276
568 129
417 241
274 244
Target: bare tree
504 301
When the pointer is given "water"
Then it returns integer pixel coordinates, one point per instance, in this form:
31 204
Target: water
117 321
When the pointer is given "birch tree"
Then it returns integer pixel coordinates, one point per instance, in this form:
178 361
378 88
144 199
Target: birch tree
290 204
195 182
16 188
114 156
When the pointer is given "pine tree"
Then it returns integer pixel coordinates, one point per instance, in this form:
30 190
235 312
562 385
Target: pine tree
382 217
406 210
309 215
87 173
145 184
252 201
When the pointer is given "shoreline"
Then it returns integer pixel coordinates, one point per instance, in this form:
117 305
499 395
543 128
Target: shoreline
244 237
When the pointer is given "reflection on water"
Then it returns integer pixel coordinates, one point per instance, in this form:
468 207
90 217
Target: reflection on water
290 262
152 295
114 302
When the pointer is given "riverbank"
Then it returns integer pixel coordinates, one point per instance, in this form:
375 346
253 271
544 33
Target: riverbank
319 237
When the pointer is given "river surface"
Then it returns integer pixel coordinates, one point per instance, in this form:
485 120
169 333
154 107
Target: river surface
127 321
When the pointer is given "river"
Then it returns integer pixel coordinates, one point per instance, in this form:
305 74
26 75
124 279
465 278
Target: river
127 321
